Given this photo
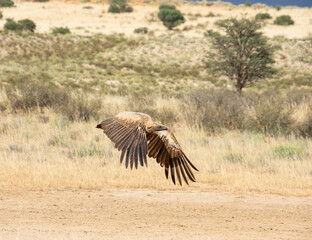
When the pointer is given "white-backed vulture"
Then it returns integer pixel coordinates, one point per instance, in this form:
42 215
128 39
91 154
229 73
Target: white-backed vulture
136 136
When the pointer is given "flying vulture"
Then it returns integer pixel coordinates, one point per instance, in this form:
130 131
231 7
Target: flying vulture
136 135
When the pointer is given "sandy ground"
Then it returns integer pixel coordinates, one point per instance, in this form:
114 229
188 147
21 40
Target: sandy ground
89 19
152 214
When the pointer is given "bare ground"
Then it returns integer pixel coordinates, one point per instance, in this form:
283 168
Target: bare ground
152 214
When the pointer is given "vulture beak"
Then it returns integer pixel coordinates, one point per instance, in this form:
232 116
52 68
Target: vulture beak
163 128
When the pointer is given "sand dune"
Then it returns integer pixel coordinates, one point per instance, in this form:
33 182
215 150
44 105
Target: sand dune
89 18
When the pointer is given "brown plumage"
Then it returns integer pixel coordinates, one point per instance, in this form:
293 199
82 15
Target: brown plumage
136 136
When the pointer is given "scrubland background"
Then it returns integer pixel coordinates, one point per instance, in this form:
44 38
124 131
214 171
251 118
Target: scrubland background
56 89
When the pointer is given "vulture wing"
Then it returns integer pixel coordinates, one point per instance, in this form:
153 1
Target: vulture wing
163 146
127 131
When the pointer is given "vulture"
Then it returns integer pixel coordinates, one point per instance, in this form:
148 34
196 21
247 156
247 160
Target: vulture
136 136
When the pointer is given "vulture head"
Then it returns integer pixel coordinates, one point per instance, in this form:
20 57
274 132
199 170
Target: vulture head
156 128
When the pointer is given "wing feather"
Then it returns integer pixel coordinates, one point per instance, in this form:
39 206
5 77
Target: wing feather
128 131
155 149
141 155
177 167
172 170
182 170
188 170
122 155
163 146
145 149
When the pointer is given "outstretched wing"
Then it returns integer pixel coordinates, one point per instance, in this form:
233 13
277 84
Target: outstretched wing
127 131
163 146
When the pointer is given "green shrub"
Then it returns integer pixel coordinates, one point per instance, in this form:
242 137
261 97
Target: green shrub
263 16
143 30
166 6
88 151
24 24
233 157
119 6
27 25
288 151
114 8
248 3
283 20
6 3
278 7
60 30
1 15
11 25
171 17
126 8
41 0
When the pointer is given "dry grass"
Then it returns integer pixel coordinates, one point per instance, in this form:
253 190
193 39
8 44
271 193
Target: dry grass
46 151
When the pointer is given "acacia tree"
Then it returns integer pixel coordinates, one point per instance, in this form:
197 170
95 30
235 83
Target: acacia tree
170 16
242 53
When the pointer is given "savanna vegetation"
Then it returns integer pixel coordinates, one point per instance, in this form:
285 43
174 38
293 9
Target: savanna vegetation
119 6
56 87
170 16
6 3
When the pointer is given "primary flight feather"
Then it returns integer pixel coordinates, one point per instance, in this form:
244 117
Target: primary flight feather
136 136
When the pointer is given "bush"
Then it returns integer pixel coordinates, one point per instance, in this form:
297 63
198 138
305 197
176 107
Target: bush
284 20
1 15
278 7
11 25
60 30
272 116
6 3
248 3
269 113
24 24
81 108
243 54
41 0
27 25
216 110
166 6
170 17
126 8
119 6
305 128
143 30
36 95
263 16
114 8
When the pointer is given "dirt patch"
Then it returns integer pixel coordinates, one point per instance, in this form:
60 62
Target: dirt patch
152 214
